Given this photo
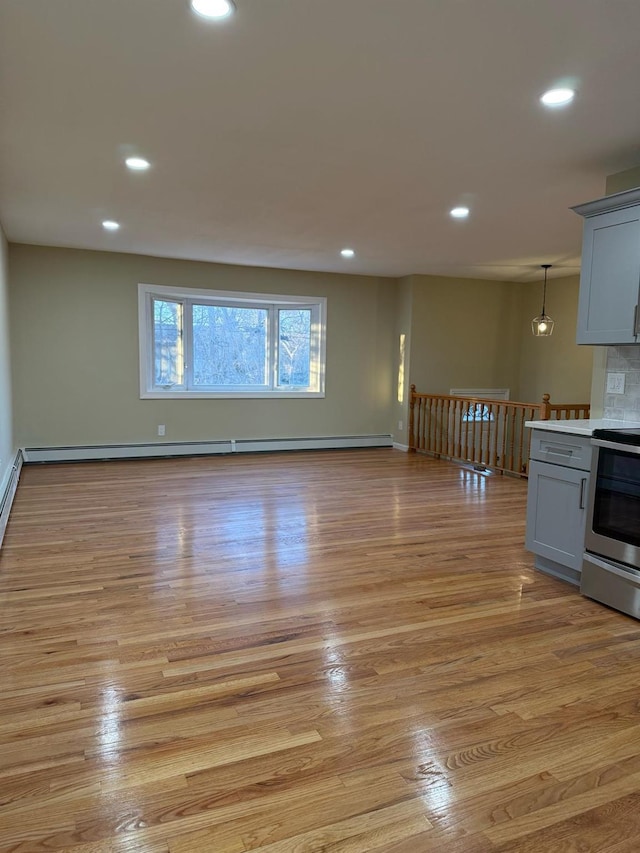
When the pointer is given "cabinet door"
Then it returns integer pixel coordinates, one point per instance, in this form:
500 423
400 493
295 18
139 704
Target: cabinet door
609 278
556 513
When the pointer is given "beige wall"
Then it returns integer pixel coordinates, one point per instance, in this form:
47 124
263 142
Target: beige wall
555 365
75 352
7 447
75 349
464 334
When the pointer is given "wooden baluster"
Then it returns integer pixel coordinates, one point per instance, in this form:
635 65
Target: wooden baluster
512 434
521 442
471 425
491 428
448 428
426 423
505 433
434 424
465 420
505 437
485 435
496 426
488 433
412 403
452 426
433 436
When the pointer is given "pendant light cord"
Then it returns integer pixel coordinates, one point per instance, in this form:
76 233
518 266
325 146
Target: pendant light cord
545 267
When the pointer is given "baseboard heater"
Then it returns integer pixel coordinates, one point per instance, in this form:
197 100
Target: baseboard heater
8 493
200 448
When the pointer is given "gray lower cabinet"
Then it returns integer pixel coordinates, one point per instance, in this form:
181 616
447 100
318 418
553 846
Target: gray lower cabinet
557 496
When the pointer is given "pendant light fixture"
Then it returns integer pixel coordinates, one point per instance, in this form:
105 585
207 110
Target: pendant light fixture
542 326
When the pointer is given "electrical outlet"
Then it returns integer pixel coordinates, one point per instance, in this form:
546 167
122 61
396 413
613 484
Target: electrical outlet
161 430
615 383
399 424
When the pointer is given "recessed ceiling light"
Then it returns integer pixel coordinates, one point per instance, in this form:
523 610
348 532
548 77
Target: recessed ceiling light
347 253
137 164
213 8
459 212
110 225
558 97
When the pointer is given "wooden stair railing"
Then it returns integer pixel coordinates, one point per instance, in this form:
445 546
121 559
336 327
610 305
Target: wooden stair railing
562 411
485 433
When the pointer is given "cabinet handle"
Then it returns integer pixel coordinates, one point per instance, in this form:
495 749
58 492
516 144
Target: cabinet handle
583 483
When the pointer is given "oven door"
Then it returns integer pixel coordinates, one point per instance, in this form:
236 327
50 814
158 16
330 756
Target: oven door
613 512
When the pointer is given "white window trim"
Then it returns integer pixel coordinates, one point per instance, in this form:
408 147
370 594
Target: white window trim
145 338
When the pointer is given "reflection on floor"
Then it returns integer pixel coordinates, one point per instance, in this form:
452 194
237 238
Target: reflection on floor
343 651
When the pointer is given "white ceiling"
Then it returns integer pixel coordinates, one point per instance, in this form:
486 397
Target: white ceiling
301 126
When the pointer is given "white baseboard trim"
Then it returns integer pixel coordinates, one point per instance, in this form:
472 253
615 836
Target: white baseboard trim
199 448
7 494
398 446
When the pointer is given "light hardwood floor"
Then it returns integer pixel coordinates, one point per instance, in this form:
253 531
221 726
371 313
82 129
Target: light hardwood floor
338 651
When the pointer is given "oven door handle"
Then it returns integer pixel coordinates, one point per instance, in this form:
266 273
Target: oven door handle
614 445
625 573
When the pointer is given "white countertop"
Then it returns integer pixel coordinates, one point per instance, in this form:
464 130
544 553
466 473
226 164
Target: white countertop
582 426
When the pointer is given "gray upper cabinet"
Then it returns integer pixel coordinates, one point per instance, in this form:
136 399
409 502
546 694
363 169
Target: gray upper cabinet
610 274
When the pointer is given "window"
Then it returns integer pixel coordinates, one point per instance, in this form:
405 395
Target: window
207 343
478 412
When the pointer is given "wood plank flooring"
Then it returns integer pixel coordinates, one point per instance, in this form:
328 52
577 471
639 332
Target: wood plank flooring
294 653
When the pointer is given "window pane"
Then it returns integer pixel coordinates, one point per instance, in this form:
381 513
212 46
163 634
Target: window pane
167 343
229 345
294 347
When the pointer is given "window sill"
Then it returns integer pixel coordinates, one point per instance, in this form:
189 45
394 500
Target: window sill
232 395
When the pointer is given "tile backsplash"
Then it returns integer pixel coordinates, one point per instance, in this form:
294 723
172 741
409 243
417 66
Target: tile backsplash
625 406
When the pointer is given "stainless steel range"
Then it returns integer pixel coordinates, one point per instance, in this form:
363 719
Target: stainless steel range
611 567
